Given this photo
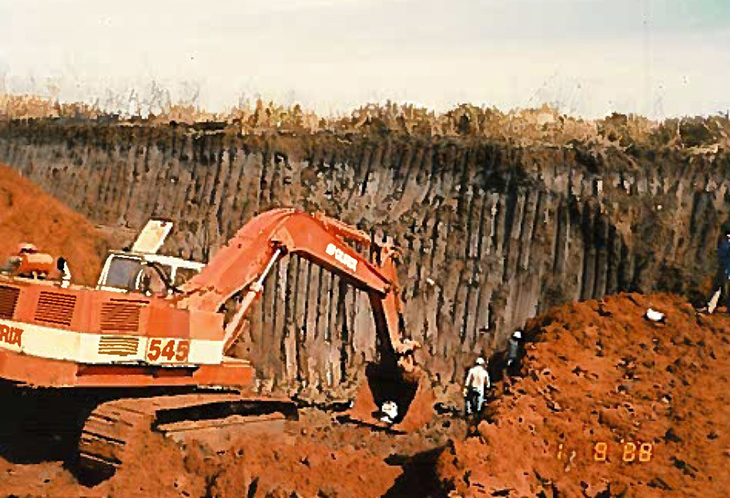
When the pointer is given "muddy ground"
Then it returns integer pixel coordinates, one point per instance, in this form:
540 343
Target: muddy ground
315 456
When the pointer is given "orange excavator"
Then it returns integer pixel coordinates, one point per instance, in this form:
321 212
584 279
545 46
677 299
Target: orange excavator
162 361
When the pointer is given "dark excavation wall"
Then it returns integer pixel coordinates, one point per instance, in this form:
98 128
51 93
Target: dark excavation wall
490 235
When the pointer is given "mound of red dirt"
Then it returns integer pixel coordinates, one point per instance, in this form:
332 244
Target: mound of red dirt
156 467
282 468
27 214
315 456
610 402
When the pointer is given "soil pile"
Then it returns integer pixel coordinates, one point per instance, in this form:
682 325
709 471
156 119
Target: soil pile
27 214
319 457
157 468
315 456
610 402
281 468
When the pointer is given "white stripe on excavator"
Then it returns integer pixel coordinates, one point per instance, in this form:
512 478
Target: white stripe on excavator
81 347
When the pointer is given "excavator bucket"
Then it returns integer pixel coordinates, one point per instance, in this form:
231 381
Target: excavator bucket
411 392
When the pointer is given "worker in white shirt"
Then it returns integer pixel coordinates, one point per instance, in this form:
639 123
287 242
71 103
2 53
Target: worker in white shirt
477 382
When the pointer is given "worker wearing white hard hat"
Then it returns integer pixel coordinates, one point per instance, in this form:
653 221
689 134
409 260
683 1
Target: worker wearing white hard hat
514 347
477 382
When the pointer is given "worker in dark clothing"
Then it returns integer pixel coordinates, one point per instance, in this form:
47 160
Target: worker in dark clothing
514 353
721 284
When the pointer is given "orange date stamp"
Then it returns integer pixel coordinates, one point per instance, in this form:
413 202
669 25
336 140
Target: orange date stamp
630 451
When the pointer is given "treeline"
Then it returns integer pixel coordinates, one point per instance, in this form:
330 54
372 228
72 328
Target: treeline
521 127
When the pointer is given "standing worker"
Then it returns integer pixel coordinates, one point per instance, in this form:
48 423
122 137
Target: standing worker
513 353
477 382
722 277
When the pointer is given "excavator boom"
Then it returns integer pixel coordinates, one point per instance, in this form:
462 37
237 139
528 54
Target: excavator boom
245 257
241 267
243 264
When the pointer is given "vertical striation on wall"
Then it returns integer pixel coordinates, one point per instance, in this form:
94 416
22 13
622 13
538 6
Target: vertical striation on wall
490 235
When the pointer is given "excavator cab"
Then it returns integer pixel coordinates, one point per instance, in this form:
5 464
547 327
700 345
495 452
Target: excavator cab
142 270
128 272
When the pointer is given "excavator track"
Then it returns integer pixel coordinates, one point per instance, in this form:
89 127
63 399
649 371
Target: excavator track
105 435
113 426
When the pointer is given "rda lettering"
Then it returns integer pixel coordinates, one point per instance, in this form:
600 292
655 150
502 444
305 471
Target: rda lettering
343 258
10 335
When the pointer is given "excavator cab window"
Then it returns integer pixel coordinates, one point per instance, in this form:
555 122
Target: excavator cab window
155 279
146 273
124 273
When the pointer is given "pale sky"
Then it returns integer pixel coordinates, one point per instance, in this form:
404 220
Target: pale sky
660 58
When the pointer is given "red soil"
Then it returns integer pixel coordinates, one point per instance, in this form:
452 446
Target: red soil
281 467
157 468
311 457
601 372
27 214
596 372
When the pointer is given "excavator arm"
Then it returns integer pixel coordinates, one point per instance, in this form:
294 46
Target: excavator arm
241 267
243 264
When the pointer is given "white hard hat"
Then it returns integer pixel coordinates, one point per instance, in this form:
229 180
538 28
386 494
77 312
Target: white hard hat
517 335
480 361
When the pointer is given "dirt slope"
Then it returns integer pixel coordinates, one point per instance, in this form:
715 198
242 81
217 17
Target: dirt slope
601 372
27 214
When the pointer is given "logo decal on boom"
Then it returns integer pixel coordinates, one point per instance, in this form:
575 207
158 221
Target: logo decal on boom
343 258
10 335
